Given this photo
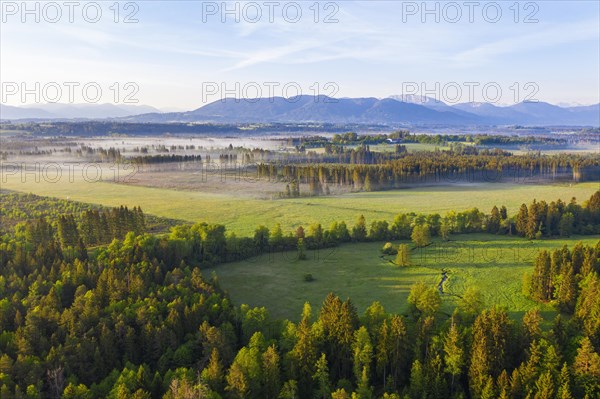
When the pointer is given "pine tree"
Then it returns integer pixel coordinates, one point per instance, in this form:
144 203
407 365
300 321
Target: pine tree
399 357
531 326
533 220
213 373
541 279
418 382
564 383
488 391
289 390
237 384
359 231
521 220
567 289
493 224
403 255
321 379
304 352
491 334
516 384
421 236
545 387
503 385
383 349
453 353
271 378
363 352
368 185
276 238
587 309
364 390
586 368
565 226
503 213
301 249
338 320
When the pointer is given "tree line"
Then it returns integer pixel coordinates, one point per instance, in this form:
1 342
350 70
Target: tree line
433 167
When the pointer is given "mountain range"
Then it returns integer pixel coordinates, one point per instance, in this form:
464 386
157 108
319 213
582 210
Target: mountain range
402 109
73 111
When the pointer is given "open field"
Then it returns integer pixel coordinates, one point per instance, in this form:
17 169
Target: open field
243 214
493 264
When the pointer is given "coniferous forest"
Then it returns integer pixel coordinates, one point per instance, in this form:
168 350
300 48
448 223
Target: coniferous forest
93 306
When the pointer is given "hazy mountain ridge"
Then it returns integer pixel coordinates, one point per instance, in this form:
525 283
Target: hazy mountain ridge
367 110
387 111
73 111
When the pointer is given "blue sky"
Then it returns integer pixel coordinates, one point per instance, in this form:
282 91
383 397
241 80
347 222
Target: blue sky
376 48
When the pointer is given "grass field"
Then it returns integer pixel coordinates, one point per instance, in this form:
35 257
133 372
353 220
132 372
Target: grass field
494 264
244 214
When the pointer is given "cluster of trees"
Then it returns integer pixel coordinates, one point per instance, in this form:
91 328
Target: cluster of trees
90 227
489 140
248 156
17 208
153 159
557 218
97 227
361 155
109 155
353 138
569 279
443 166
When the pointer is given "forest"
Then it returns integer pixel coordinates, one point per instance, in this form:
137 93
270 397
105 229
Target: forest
362 170
136 318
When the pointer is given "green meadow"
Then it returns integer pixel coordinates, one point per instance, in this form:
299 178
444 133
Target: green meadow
243 214
493 264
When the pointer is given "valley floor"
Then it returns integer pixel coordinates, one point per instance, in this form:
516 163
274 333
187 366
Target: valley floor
493 264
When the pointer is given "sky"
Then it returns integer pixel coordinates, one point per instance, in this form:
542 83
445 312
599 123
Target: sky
179 55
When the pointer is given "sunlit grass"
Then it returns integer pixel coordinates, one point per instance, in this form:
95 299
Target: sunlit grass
244 214
494 264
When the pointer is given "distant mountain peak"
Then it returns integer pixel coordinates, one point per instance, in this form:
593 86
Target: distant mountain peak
416 99
393 110
74 111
